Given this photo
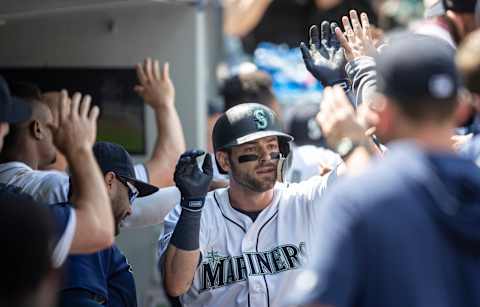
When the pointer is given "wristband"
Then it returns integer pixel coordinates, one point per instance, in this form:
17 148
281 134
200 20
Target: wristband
345 147
344 83
187 231
192 204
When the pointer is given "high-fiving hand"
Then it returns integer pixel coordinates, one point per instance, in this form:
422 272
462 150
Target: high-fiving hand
324 58
155 88
357 40
76 126
337 118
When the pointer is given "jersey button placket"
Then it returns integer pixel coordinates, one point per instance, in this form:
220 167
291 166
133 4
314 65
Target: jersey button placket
258 286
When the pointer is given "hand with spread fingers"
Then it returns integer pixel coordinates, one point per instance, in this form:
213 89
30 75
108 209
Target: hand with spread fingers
155 87
338 120
192 182
357 40
324 58
76 127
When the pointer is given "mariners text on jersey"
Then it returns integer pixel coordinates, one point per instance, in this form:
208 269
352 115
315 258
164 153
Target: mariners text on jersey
219 271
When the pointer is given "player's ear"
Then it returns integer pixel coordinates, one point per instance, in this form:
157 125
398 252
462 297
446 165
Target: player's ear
109 179
222 159
36 129
387 114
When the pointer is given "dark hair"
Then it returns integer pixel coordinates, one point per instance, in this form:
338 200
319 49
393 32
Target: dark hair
249 87
27 234
30 93
25 90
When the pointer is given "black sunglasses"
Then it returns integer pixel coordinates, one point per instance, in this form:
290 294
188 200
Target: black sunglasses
132 190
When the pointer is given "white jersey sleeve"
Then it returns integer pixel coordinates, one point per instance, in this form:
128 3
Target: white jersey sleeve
46 187
65 220
141 172
168 227
152 209
309 193
308 160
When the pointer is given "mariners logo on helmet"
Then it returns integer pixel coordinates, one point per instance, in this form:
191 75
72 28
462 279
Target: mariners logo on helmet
260 118
247 122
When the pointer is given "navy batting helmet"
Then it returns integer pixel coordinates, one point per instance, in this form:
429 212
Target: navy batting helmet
247 122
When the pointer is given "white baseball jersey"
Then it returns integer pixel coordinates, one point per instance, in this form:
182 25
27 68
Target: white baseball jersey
246 263
307 161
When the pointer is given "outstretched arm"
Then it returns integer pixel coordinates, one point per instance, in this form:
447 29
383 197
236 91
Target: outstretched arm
242 16
182 255
359 47
158 92
343 131
74 137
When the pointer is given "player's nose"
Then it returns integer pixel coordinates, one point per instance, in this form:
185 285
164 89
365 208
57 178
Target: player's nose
264 154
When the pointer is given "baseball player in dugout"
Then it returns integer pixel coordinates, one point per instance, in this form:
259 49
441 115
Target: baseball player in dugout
240 245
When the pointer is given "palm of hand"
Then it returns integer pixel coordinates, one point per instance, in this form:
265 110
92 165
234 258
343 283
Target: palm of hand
158 92
156 88
324 57
363 47
328 56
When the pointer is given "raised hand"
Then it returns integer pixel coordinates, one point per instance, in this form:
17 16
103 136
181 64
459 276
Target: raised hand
76 127
357 40
324 58
337 118
192 182
155 87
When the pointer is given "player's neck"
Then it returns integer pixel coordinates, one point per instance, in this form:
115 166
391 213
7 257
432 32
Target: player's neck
24 154
248 200
432 137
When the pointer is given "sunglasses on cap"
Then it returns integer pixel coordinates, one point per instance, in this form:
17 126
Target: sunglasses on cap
132 190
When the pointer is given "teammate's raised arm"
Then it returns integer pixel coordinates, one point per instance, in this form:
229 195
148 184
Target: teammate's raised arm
343 131
183 253
74 136
158 92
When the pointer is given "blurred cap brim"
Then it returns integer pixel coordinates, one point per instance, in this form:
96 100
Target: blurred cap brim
144 189
16 111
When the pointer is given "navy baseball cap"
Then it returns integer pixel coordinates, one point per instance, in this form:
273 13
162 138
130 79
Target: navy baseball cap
416 67
12 109
114 158
301 124
442 6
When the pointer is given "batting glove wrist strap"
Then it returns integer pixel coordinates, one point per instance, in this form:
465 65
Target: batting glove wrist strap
192 204
344 83
187 231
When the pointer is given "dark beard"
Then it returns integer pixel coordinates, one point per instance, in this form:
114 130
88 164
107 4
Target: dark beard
252 183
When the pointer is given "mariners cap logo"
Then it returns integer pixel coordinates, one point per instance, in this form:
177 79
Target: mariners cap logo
260 119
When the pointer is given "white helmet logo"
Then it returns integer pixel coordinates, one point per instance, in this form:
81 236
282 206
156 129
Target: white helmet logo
441 86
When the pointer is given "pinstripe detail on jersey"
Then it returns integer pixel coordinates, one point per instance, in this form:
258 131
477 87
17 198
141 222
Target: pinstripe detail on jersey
228 219
256 248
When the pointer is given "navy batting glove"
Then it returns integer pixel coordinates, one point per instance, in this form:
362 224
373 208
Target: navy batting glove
192 182
325 59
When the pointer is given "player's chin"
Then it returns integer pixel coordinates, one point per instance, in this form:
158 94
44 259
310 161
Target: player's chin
267 183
